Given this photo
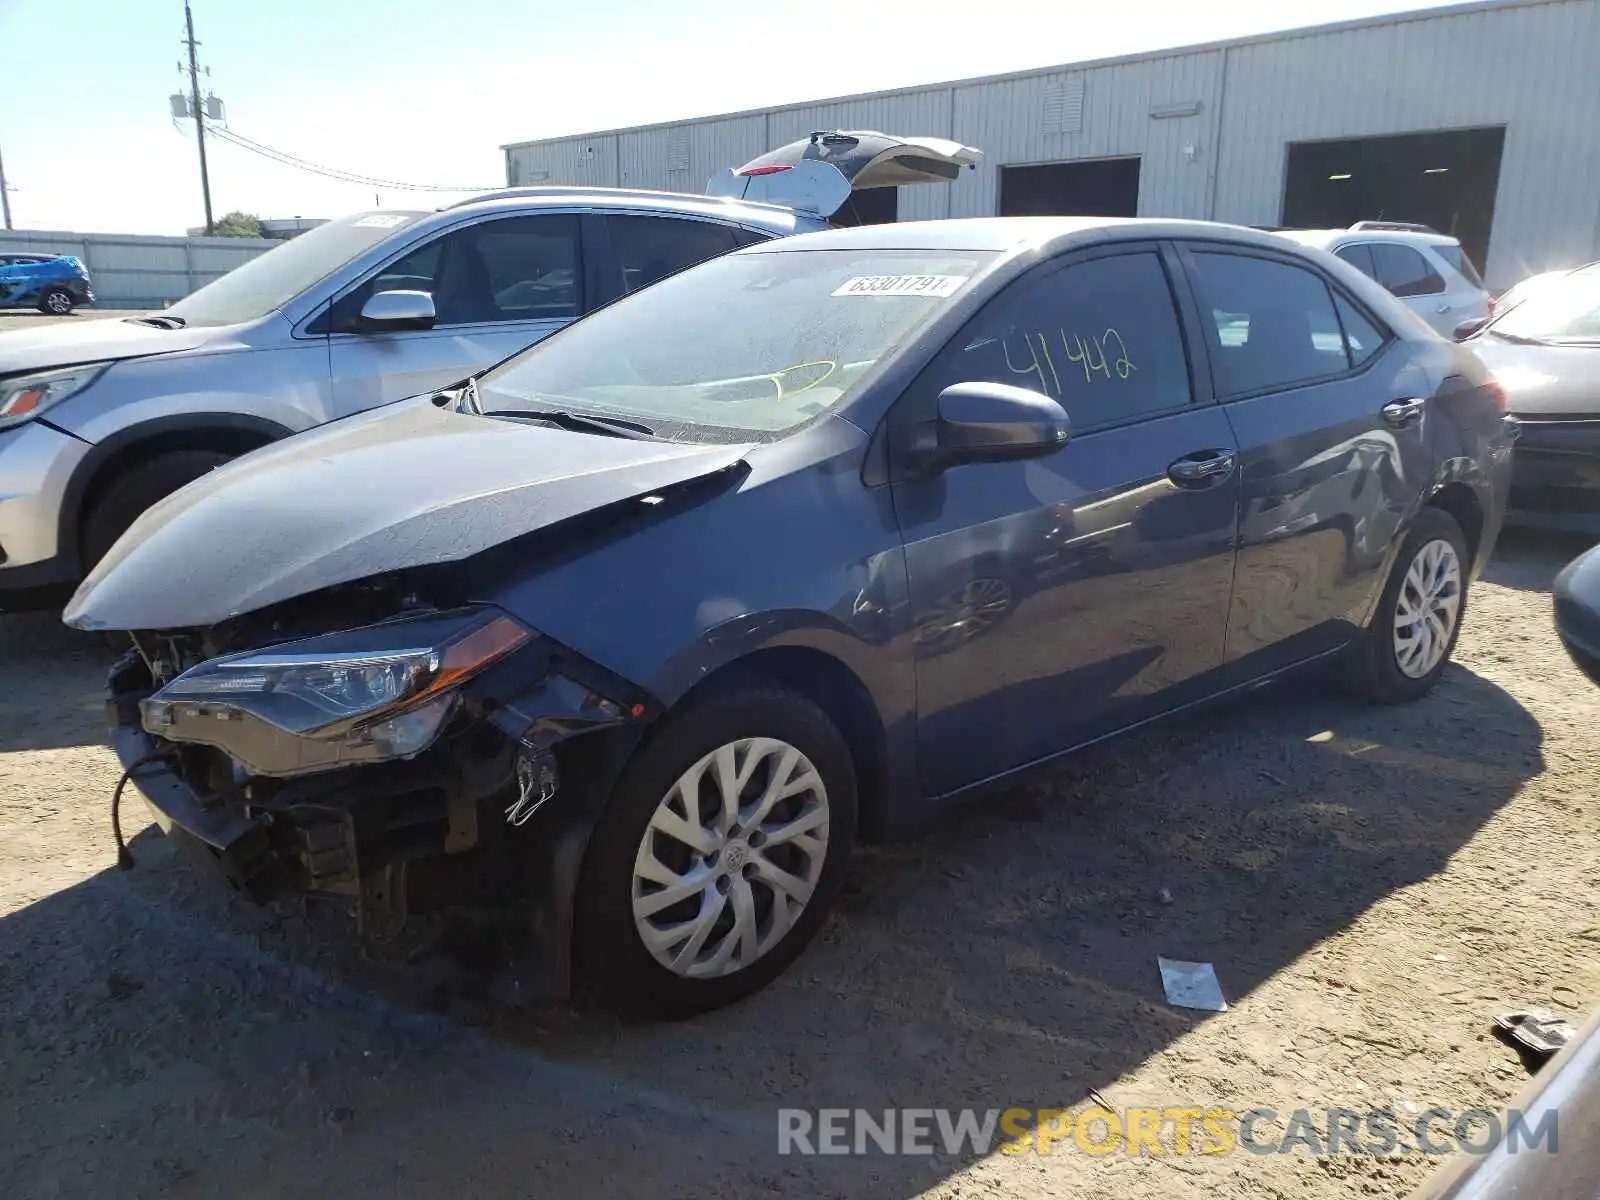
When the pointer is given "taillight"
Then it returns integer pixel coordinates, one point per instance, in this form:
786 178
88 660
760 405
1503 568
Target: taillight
772 170
1496 394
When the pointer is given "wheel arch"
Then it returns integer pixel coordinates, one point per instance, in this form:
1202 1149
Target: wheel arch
123 451
1462 502
830 684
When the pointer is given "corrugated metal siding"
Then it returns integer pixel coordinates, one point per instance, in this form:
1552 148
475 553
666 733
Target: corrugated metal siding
582 160
711 145
1534 70
1007 120
132 271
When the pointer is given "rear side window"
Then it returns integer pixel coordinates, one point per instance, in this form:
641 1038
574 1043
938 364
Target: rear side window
1459 259
651 248
1272 325
1359 257
1405 272
1101 336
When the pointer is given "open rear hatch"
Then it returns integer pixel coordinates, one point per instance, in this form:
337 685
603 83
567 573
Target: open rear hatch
817 174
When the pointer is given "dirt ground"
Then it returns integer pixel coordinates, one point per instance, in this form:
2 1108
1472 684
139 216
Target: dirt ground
1371 885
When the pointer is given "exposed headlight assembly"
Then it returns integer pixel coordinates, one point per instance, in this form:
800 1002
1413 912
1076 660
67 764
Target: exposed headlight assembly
358 696
24 397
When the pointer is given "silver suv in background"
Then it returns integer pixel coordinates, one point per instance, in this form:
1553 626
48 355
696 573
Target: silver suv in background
100 420
1428 270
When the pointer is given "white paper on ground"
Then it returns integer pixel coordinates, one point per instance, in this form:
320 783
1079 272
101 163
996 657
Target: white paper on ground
1191 985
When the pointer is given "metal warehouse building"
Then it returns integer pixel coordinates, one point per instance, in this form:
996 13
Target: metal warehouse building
1482 120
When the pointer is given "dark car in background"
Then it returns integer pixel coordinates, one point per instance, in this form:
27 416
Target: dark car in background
52 283
644 625
1545 352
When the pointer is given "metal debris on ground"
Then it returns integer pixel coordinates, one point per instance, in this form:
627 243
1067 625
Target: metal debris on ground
1191 985
1538 1029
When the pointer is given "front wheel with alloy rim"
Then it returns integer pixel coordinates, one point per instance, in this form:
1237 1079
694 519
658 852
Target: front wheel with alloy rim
1407 644
57 301
719 854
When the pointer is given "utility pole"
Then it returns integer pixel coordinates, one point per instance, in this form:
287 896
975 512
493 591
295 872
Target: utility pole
5 200
199 115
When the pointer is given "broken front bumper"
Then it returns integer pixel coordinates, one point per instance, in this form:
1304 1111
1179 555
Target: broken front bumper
481 818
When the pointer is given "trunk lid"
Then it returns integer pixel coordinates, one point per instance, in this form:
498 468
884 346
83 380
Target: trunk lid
818 173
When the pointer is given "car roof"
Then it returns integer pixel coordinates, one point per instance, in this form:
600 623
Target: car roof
1014 233
767 216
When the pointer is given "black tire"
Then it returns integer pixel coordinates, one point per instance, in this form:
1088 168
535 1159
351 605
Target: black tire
56 301
1372 665
130 494
609 949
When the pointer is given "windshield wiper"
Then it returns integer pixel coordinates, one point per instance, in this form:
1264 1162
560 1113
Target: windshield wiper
1519 338
576 422
159 322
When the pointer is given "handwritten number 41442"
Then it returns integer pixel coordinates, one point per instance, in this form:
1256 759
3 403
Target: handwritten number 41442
1092 354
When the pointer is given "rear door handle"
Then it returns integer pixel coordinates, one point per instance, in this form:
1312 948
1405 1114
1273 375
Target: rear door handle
1401 413
1203 469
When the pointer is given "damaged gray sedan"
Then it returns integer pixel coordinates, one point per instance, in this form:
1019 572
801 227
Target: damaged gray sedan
640 629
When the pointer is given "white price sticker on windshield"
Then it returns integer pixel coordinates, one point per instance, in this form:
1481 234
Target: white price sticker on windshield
901 285
381 221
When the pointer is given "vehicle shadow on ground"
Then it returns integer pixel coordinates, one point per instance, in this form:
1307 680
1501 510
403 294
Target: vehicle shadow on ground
63 675
1530 559
1007 958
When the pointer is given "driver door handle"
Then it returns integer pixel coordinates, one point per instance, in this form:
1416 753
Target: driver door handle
1203 469
1444 308
1401 413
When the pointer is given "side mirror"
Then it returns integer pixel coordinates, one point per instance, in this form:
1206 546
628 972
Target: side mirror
1468 327
995 422
386 311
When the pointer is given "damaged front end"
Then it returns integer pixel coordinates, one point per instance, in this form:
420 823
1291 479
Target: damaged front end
364 744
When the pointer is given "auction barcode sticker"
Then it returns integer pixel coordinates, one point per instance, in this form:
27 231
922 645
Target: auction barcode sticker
901 285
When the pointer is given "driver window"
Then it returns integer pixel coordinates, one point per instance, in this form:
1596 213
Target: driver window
514 269
1101 336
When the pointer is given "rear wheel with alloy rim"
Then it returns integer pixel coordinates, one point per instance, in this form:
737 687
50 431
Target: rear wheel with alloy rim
1408 642
719 854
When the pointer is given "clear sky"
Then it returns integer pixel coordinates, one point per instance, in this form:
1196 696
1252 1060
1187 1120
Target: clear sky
427 91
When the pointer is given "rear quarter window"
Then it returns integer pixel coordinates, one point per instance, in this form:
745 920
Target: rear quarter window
1462 262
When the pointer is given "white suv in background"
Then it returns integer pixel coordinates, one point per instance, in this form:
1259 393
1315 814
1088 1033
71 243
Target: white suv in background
1429 271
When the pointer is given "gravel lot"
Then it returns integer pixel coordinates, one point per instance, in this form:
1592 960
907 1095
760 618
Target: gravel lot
1371 885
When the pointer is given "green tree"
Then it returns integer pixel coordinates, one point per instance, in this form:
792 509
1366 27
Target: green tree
237 224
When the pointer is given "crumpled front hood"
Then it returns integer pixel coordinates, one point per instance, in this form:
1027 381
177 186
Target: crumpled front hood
83 339
407 486
1546 381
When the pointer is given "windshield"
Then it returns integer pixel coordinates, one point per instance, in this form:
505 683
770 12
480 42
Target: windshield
268 282
1563 310
742 348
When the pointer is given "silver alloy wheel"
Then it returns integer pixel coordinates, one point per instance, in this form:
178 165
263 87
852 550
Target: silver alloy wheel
972 609
1427 609
59 303
730 858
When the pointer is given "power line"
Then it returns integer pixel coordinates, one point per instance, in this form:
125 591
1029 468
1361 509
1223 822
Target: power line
292 160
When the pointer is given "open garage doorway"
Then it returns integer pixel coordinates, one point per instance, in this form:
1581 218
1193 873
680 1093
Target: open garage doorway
1099 187
1444 180
870 206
